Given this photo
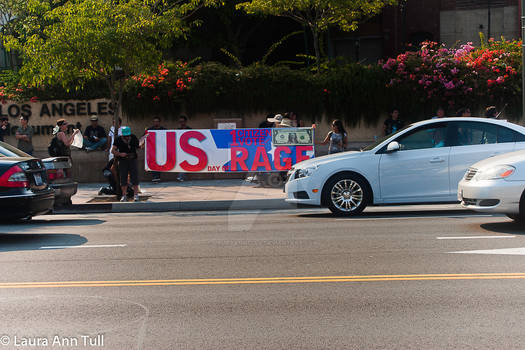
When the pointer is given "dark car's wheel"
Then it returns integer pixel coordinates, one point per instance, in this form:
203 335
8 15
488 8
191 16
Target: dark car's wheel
346 194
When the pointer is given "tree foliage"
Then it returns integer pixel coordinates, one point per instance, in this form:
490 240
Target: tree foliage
71 42
319 15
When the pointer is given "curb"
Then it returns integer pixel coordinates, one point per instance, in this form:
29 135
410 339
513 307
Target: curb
218 205
246 204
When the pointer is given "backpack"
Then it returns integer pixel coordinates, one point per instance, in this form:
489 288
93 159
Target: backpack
53 149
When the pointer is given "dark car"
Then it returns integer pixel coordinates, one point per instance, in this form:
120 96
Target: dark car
24 191
59 176
58 173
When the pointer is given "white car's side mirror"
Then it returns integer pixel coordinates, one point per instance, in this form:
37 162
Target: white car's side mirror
393 147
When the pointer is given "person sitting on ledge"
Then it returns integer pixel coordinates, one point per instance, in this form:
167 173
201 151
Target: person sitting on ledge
94 136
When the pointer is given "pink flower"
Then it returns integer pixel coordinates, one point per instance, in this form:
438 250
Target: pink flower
449 85
500 80
454 71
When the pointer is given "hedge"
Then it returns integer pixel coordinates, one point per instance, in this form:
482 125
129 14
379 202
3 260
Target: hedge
416 82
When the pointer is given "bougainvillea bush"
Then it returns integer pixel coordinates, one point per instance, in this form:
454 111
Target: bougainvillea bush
454 78
159 92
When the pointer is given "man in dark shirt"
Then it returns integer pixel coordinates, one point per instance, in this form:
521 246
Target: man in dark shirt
95 136
4 128
156 126
393 124
125 151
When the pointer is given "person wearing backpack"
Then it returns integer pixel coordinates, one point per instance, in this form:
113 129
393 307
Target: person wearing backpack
61 143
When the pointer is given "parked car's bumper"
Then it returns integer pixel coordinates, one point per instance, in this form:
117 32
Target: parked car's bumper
64 190
303 191
26 204
498 196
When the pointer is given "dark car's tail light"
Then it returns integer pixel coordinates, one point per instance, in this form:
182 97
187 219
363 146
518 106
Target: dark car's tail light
14 177
53 174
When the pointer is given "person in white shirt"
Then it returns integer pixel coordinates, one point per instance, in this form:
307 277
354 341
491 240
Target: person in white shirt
111 134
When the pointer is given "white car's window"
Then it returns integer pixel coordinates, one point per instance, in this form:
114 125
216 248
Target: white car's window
429 136
479 133
506 135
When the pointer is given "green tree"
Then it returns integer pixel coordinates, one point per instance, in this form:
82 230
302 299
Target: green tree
319 15
81 40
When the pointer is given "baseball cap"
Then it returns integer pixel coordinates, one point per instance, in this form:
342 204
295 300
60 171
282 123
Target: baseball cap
93 118
276 119
126 131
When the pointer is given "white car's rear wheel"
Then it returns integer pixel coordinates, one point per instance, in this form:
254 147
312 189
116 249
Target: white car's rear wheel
346 195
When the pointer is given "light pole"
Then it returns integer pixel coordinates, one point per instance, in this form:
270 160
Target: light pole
523 60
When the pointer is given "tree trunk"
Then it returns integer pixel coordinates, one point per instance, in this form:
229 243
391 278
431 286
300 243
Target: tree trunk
315 36
115 102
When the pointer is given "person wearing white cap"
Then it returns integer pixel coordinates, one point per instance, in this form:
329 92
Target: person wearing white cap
95 136
276 119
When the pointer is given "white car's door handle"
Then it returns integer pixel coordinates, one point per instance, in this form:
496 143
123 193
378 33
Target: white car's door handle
437 160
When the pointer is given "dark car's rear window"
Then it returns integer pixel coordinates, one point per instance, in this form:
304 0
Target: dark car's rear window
6 150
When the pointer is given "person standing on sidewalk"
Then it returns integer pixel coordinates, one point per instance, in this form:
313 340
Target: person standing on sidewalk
24 135
125 152
112 165
156 126
4 128
337 138
183 125
393 124
63 141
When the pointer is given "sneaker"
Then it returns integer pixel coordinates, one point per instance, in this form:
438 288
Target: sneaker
180 179
155 180
123 199
136 198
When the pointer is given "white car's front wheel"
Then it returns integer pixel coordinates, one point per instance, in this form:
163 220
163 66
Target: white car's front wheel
346 195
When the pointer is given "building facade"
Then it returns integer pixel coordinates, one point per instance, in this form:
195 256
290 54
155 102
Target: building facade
414 21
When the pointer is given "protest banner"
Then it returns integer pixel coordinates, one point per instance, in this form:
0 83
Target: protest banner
233 150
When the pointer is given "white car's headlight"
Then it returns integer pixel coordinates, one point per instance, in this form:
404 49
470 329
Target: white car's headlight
494 173
306 171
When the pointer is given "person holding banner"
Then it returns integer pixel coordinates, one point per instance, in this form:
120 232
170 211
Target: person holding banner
156 126
125 151
337 138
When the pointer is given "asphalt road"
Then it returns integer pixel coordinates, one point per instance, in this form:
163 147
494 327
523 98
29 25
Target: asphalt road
263 280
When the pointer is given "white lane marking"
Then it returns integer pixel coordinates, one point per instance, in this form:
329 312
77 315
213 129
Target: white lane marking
476 237
84 246
506 251
414 217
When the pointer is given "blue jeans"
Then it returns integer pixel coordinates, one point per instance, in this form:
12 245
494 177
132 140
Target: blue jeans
94 145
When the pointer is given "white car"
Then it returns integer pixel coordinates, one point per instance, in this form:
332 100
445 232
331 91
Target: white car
422 163
496 185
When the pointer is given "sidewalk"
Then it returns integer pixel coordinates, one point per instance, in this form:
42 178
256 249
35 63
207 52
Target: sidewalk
209 195
229 194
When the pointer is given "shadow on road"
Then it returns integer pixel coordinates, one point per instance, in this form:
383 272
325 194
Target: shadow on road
18 242
392 214
21 226
505 227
